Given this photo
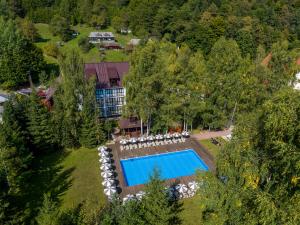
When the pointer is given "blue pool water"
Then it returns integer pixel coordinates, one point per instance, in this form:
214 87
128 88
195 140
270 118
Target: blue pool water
171 165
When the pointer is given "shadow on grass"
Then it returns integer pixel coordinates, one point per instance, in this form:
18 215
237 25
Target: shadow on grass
48 177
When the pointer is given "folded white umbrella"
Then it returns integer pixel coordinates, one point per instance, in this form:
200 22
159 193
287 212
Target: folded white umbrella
105 166
108 182
109 191
106 174
140 195
193 185
181 188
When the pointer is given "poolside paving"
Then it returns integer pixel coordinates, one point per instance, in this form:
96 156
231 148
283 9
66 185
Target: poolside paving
190 143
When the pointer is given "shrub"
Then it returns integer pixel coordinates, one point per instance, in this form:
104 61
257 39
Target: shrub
51 49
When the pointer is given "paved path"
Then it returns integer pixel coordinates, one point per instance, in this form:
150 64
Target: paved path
211 134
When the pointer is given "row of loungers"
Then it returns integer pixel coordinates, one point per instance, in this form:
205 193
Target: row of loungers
152 143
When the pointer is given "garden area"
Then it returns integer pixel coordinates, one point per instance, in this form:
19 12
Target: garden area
91 56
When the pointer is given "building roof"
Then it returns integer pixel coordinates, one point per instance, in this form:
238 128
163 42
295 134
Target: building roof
298 62
104 71
101 34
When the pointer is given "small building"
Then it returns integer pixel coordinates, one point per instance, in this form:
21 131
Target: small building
98 37
131 126
110 93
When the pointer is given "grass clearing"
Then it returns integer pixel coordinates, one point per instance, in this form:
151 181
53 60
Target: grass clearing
85 177
93 55
70 176
212 148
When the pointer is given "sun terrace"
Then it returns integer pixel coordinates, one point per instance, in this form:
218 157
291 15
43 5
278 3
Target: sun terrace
126 165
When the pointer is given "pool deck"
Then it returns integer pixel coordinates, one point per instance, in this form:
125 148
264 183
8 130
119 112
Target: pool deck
190 143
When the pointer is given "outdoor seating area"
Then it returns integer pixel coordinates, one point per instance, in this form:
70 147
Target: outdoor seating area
175 192
107 172
151 140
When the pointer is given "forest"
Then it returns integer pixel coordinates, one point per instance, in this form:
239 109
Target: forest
202 64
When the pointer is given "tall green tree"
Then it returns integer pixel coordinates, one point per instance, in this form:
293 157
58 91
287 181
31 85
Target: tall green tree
40 126
156 206
69 100
91 130
19 58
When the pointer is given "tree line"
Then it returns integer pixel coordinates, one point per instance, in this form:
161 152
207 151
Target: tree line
169 86
197 23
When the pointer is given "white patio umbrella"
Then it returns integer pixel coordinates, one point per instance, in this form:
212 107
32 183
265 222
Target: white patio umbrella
102 148
104 155
193 185
142 139
133 140
106 174
185 134
167 136
128 198
123 142
177 135
181 188
104 160
105 167
150 138
109 191
140 195
108 182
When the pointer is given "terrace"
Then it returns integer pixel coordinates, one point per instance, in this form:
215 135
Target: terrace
118 155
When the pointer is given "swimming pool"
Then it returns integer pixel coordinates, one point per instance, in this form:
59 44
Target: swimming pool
171 165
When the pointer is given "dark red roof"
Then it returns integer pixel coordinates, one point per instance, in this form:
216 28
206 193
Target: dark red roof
298 62
104 71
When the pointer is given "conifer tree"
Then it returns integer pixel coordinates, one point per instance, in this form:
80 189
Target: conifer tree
40 125
91 132
157 210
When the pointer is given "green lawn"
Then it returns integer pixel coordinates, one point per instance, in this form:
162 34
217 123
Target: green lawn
191 214
85 178
71 176
212 148
93 55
